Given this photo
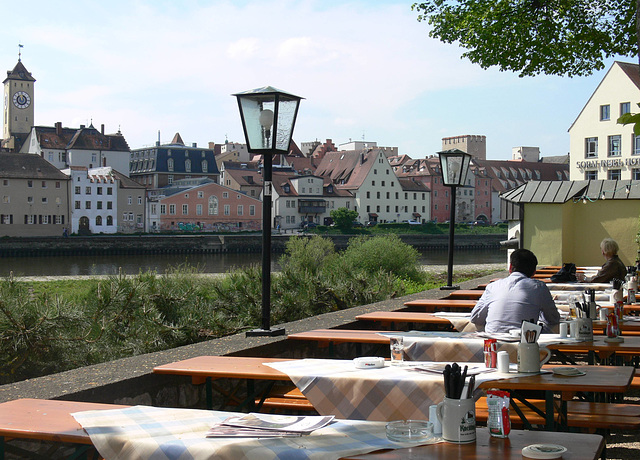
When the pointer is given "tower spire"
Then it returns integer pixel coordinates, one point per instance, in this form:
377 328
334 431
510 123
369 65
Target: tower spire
20 46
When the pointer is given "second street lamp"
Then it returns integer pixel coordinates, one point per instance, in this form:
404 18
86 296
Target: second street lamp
454 165
268 118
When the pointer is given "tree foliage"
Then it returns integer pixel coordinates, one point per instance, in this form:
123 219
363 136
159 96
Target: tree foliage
556 37
343 218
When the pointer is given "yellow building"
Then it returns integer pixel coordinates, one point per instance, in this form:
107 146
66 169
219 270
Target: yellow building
565 221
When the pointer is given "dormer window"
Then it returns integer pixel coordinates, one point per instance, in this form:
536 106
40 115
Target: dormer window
330 188
286 188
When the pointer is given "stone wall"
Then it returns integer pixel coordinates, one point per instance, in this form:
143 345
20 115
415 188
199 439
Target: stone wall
161 244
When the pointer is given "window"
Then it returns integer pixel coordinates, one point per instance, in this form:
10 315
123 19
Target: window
368 195
87 205
45 200
170 164
605 112
109 191
99 205
227 209
200 194
252 210
44 184
635 174
99 191
614 146
590 175
614 174
213 205
625 107
185 209
29 199
98 220
139 200
87 190
6 199
163 209
187 165
225 194
240 210
109 220
109 204
5 182
198 209
29 183
205 166
170 179
77 205
636 145
591 147
129 199
172 209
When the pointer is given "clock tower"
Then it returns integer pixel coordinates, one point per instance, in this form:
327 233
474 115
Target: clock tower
18 107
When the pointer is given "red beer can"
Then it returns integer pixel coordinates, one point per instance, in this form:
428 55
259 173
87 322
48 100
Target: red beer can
491 353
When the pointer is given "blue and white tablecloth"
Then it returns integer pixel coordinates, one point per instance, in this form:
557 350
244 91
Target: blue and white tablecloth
152 433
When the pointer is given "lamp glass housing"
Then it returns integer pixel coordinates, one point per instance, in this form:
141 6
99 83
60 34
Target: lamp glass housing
454 164
268 117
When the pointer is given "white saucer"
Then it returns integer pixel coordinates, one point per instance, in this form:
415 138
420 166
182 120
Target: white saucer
543 451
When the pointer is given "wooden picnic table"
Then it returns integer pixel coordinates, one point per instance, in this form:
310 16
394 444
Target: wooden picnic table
51 420
46 420
580 446
433 305
392 317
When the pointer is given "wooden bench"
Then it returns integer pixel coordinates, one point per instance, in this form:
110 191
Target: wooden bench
285 398
45 420
580 414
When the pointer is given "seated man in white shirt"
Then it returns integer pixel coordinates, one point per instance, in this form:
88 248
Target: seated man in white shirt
507 302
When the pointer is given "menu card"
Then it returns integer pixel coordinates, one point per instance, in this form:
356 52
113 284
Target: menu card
256 425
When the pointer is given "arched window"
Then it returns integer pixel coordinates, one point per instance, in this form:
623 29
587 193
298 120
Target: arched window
205 166
99 220
170 164
109 220
187 165
213 205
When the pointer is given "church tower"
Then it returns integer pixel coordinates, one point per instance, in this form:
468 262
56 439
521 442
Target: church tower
18 106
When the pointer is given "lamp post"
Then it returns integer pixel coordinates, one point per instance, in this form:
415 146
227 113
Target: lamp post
268 117
454 165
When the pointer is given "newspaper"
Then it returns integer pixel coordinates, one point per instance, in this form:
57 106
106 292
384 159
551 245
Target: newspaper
268 425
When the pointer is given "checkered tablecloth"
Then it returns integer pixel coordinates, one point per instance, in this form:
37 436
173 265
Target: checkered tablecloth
336 387
152 433
461 322
449 347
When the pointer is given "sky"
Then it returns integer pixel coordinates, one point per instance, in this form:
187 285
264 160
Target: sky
367 70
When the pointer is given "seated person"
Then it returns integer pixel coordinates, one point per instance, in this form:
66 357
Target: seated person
613 267
507 302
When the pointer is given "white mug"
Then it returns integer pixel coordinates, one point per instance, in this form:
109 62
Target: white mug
458 419
529 357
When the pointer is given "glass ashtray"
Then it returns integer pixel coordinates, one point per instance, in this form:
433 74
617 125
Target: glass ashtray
409 430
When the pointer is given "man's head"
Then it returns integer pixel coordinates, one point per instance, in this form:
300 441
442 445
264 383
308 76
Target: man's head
609 247
523 261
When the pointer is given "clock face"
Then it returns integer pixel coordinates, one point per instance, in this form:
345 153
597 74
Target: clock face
21 100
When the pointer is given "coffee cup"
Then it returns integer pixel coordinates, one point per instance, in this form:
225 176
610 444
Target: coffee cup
529 357
458 420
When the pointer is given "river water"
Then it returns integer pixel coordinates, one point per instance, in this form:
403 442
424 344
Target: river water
207 263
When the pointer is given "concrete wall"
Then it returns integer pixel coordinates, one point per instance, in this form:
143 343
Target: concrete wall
581 228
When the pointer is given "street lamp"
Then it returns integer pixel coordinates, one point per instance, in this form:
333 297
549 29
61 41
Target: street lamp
454 165
268 117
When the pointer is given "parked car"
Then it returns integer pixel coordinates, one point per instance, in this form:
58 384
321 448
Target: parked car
370 223
411 222
355 223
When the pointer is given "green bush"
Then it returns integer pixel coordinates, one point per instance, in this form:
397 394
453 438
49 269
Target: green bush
385 252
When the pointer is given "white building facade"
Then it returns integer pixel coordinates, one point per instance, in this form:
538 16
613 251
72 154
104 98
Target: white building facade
600 148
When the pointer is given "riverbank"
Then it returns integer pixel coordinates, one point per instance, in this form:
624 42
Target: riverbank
99 245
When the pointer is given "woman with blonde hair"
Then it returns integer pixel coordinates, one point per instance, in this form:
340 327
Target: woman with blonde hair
613 266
